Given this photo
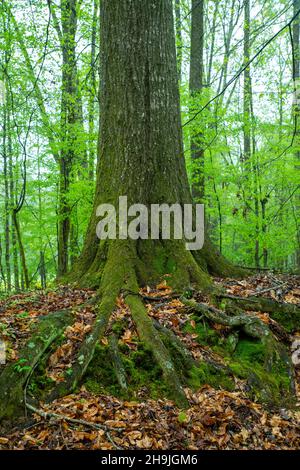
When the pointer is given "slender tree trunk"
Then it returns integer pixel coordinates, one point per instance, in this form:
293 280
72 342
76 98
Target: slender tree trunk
12 204
1 266
247 85
15 258
21 248
93 93
212 42
74 238
296 77
42 270
72 130
6 201
196 86
42 265
248 166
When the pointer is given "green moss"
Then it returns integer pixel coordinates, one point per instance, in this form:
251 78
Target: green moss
250 351
40 384
169 257
263 365
207 336
271 383
163 264
207 374
140 368
101 377
118 328
290 321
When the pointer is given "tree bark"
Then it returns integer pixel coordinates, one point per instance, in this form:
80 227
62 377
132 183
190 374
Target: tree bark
73 148
21 248
196 86
247 84
178 37
93 93
296 78
144 161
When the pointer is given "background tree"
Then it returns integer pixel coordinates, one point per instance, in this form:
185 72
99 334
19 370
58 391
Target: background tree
33 79
196 87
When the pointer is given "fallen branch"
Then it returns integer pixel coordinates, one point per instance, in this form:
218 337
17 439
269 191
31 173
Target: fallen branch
263 291
81 422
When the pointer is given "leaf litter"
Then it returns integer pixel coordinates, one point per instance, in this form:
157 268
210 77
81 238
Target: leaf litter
216 419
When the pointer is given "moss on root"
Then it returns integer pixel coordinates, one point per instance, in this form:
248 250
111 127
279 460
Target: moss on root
206 335
268 385
262 364
142 374
208 374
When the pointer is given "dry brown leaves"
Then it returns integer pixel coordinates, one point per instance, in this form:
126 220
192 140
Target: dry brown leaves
216 419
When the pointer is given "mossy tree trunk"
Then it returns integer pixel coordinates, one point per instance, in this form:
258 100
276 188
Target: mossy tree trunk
141 151
140 156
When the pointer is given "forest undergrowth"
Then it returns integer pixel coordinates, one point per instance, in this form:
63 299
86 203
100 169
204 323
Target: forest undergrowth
124 405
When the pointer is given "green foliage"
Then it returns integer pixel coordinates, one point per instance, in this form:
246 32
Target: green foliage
252 208
21 367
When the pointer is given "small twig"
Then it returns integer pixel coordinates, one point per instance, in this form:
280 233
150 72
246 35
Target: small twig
263 291
48 415
165 299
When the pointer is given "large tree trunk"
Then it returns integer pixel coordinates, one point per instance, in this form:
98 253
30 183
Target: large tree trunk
144 161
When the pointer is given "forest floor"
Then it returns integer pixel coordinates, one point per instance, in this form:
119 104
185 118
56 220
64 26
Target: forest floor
216 419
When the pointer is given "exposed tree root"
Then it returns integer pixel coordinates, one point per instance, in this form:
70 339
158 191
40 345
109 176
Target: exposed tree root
14 377
153 342
117 362
250 325
277 359
119 275
287 315
173 342
109 289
